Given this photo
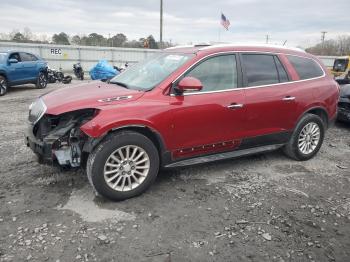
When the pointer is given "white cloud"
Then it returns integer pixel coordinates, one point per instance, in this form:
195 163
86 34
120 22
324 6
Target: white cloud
299 22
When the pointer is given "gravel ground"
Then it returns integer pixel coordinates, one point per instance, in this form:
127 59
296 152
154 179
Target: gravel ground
260 208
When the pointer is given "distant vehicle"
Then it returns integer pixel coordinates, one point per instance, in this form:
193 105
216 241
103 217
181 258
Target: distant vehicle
18 68
78 71
328 61
341 66
344 104
186 106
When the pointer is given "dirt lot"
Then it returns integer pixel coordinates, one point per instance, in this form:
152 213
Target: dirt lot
261 208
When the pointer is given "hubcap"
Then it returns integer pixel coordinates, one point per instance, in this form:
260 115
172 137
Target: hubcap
42 80
3 86
309 138
126 168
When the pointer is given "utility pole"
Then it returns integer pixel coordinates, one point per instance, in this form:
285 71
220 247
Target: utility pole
161 25
323 36
267 39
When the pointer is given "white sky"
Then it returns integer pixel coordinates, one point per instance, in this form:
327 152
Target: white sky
300 22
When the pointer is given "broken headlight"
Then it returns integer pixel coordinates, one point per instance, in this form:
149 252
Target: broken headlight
36 110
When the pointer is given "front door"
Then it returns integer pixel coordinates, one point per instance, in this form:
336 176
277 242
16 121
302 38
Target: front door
211 120
15 70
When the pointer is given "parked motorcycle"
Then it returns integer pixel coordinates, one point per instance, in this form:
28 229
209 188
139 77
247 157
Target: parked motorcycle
54 75
120 69
78 71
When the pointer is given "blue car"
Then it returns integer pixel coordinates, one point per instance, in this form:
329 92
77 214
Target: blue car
18 68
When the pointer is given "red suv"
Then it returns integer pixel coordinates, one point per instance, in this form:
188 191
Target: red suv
185 106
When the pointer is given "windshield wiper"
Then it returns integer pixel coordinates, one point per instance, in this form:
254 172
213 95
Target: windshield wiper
120 84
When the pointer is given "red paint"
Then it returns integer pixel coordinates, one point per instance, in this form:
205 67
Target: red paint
189 123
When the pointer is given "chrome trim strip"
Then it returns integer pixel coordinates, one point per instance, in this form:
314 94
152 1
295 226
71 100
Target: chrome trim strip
248 87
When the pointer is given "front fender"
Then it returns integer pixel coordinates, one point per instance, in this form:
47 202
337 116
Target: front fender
96 128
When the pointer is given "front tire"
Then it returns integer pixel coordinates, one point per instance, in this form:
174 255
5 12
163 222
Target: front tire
306 139
41 82
3 85
123 166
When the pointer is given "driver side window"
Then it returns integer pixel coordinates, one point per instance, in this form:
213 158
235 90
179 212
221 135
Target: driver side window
15 56
216 73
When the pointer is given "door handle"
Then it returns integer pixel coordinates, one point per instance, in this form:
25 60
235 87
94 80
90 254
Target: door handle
288 98
235 105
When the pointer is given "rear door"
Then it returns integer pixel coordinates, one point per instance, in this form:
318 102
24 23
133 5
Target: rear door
213 119
270 101
29 62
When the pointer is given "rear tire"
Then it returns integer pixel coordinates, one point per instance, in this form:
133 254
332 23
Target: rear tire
124 165
306 139
3 85
41 82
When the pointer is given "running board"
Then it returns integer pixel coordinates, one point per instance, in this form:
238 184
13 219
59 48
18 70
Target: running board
221 156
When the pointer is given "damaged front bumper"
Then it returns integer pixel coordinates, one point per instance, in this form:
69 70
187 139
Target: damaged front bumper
55 148
58 139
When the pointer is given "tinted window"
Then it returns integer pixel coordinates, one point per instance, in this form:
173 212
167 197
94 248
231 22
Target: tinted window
217 73
305 67
15 56
283 77
28 57
260 69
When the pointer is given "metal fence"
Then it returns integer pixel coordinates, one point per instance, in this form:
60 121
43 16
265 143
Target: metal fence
63 56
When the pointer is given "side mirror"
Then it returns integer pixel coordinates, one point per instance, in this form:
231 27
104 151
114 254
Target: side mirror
189 84
13 61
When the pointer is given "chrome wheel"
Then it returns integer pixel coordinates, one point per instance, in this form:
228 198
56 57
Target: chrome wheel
309 138
126 168
3 86
42 80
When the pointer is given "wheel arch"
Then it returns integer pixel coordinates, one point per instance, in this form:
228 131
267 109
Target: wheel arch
319 111
147 131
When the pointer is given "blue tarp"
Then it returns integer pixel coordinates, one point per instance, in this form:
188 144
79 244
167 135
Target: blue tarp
102 70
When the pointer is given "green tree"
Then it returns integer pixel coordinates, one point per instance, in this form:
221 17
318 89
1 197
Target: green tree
18 37
61 39
118 40
76 40
152 43
96 40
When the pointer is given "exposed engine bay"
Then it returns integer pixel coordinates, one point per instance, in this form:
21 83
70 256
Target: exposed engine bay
58 137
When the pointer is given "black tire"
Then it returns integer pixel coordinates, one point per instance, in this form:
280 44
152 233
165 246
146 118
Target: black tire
292 149
41 81
97 159
82 76
3 85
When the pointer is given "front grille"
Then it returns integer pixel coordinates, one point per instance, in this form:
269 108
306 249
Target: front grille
36 110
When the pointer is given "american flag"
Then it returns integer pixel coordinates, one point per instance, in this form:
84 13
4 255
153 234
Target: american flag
224 21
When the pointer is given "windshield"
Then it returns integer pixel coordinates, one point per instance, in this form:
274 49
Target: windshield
150 72
2 57
340 65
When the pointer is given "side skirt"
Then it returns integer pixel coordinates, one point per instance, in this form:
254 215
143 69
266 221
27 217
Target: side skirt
221 156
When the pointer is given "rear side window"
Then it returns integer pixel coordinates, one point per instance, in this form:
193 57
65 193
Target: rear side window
28 57
305 67
260 69
216 73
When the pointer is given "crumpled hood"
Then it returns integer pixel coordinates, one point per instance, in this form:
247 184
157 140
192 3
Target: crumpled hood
345 91
92 95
